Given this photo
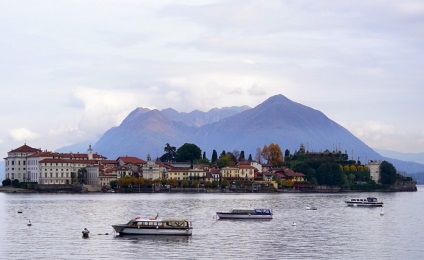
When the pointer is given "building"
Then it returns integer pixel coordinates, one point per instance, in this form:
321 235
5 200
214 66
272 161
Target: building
151 170
374 167
16 164
28 164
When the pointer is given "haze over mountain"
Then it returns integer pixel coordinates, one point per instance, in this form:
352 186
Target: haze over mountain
276 120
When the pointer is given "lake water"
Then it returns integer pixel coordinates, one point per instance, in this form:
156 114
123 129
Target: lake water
334 231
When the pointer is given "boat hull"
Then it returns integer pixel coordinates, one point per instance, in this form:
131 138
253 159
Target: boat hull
357 204
126 230
226 215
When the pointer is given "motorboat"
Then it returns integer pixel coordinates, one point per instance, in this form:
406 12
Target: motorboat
246 214
369 202
155 226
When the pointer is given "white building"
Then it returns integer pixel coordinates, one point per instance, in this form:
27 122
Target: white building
16 163
151 170
374 167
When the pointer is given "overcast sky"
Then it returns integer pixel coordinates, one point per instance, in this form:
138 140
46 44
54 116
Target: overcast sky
70 70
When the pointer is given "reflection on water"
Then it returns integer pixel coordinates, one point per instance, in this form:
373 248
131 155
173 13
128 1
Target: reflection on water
333 231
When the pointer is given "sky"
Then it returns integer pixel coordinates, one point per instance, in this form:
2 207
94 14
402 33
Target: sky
72 69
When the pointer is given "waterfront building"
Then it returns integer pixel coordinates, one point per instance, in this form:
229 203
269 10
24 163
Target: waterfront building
16 163
151 169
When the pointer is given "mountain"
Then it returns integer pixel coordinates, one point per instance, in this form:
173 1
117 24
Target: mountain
282 121
277 120
412 157
146 131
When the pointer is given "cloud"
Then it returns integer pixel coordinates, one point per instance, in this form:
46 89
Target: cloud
103 108
381 135
23 134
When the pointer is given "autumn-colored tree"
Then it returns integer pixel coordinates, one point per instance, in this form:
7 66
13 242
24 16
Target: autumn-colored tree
353 168
346 168
173 182
184 183
272 154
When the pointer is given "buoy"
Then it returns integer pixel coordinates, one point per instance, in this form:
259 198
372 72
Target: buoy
29 223
381 212
294 224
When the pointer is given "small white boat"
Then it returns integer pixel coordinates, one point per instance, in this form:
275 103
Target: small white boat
311 208
246 214
155 226
369 202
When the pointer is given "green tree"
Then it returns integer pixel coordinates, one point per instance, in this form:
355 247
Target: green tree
250 158
188 152
241 157
214 157
225 183
82 172
6 182
113 184
387 173
15 183
170 153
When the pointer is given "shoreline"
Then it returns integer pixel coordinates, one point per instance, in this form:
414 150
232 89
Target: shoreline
10 189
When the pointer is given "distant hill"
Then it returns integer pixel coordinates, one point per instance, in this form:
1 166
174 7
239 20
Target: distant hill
410 157
276 120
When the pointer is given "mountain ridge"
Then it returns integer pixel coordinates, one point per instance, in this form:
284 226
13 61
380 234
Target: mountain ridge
276 120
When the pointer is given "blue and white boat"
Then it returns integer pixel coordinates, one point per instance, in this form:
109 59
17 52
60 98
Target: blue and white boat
246 214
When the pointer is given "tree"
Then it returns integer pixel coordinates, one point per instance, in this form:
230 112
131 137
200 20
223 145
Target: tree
236 154
258 155
172 182
214 157
241 157
272 154
250 158
185 183
15 183
82 172
387 173
224 161
170 153
6 182
287 154
188 152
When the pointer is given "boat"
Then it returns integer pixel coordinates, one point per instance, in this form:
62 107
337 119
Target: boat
246 214
155 226
311 208
369 202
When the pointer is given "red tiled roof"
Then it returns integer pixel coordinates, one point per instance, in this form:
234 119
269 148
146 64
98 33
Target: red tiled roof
132 160
25 149
246 166
53 160
43 154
